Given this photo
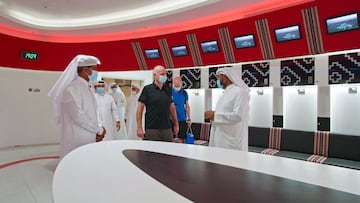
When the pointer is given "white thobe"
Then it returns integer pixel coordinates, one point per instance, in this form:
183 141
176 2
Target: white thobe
230 126
120 102
130 115
79 116
108 114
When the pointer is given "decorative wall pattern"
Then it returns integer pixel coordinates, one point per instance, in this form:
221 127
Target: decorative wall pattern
166 53
191 78
312 30
194 49
262 28
225 40
139 55
344 68
298 72
256 74
169 75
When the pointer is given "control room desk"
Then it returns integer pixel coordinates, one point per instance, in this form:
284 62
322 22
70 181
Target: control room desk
147 171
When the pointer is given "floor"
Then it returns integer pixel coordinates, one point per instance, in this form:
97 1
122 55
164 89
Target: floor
26 173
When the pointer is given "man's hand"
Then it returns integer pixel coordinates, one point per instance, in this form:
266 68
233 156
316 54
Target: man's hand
140 133
209 115
118 125
100 137
176 128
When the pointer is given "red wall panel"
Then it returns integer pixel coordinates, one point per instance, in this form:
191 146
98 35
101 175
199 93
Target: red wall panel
343 40
284 18
119 55
114 56
177 40
245 27
209 34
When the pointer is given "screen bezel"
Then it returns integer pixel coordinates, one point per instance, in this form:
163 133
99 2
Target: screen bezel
244 36
179 46
202 44
287 27
154 49
340 16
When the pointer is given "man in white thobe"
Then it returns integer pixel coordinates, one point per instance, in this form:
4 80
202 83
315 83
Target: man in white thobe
130 113
75 105
229 128
120 101
107 111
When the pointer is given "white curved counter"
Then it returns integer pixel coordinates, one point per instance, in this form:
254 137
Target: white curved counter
102 172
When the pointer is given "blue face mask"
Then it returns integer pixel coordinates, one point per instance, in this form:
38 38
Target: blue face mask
100 90
219 84
93 76
162 79
114 89
177 89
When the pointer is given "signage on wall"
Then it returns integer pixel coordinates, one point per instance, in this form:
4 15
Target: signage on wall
29 55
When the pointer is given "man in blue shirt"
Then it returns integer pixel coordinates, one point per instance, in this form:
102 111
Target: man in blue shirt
180 98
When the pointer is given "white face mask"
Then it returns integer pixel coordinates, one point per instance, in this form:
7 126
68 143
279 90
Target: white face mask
177 89
162 79
133 92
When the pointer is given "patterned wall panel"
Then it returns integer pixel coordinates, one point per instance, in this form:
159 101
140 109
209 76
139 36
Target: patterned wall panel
344 68
263 31
312 30
212 75
225 40
139 55
298 72
166 53
169 75
256 74
191 78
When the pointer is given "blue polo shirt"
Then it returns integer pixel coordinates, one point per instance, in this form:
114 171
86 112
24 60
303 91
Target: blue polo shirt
180 98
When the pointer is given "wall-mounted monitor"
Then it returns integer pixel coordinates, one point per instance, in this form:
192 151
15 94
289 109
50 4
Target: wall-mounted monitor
179 50
287 33
152 53
244 41
209 47
342 23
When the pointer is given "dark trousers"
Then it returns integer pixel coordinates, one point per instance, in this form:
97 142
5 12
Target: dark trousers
159 135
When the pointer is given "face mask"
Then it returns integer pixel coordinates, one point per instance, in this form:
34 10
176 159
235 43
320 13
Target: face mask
177 89
93 76
219 84
162 79
133 92
100 90
114 89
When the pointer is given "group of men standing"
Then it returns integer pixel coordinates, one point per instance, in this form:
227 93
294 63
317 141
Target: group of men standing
87 113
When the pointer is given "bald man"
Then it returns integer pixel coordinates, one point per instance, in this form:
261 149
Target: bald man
157 100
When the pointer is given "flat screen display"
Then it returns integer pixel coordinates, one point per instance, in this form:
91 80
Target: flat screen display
209 47
179 50
244 41
287 33
152 53
342 23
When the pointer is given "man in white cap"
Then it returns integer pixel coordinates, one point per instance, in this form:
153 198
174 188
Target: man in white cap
107 111
130 113
120 101
229 128
75 105
157 100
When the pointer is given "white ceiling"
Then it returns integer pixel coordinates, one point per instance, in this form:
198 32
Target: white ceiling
123 19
